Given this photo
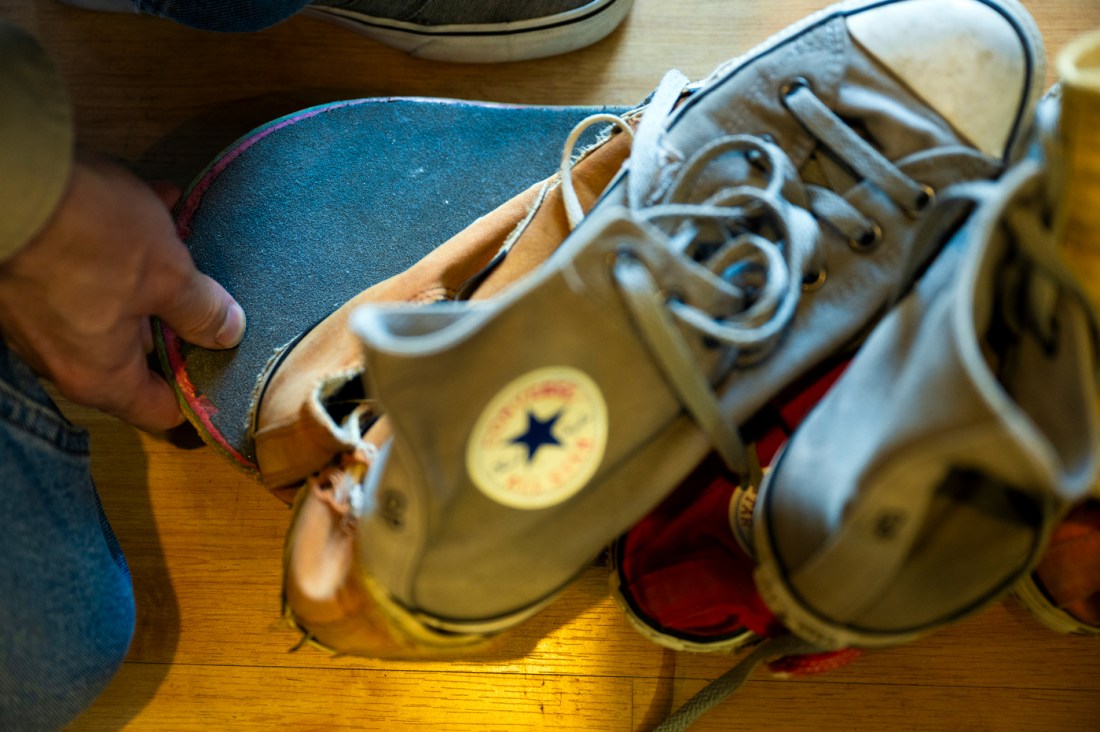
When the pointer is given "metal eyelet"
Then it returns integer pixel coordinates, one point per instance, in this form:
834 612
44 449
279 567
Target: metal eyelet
755 158
619 252
790 86
392 509
868 241
675 297
926 198
814 280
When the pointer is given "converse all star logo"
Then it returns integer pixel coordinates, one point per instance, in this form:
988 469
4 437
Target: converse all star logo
540 439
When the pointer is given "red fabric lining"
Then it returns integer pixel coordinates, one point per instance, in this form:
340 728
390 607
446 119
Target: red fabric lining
684 570
1070 569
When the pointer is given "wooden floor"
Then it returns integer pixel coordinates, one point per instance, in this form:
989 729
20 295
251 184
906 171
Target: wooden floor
203 541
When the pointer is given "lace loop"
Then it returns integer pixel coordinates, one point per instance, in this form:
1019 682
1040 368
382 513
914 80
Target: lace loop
573 210
645 168
743 232
646 302
866 161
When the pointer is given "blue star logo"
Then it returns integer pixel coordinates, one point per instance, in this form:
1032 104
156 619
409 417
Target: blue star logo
538 434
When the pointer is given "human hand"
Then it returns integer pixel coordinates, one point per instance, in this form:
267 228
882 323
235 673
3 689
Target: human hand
76 302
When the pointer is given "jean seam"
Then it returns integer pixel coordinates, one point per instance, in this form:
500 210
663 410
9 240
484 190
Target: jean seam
36 419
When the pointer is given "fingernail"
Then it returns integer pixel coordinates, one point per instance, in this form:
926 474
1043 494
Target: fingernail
232 330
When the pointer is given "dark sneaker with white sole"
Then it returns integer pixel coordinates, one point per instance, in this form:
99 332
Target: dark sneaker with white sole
482 31
486 31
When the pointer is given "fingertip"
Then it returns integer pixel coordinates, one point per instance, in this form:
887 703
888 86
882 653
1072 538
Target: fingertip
175 421
161 418
202 312
154 407
233 327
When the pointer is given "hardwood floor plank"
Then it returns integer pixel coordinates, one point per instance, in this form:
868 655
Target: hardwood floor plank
779 706
197 697
208 580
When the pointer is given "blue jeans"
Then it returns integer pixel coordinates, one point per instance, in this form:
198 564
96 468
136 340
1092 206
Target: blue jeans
223 15
66 602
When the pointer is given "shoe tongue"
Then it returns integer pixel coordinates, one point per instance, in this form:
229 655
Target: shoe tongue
684 568
548 228
1071 572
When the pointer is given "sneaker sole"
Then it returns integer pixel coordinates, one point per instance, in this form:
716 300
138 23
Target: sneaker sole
1035 601
263 172
491 42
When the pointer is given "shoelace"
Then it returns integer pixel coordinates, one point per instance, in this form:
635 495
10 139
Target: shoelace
716 691
753 245
1027 224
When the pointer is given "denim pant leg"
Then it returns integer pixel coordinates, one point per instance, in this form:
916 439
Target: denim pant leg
66 602
223 15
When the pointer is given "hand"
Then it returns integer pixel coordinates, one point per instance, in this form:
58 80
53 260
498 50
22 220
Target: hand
76 301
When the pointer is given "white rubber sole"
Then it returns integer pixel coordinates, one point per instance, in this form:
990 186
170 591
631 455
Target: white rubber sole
1032 597
488 43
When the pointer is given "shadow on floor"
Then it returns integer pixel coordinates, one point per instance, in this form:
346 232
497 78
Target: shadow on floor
120 468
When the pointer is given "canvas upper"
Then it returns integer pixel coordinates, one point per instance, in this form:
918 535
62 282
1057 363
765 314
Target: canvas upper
530 428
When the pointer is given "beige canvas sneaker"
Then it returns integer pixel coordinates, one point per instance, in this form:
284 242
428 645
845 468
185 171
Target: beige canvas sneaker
763 220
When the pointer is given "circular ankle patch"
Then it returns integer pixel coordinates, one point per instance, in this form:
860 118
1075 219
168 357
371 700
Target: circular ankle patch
540 439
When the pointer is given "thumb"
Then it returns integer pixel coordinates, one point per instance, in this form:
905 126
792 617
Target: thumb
203 313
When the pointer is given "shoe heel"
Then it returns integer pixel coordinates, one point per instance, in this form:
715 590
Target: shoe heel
340 609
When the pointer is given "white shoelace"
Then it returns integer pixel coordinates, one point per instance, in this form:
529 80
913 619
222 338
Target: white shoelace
756 245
